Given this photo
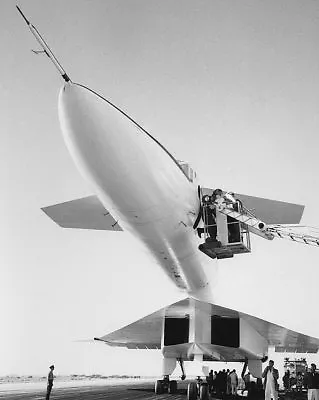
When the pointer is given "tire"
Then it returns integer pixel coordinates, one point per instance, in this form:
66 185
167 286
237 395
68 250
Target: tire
172 387
159 387
203 392
192 391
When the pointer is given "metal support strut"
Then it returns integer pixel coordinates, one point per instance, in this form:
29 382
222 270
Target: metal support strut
181 363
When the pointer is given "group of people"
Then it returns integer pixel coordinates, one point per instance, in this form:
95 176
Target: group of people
310 381
225 382
290 381
222 383
209 218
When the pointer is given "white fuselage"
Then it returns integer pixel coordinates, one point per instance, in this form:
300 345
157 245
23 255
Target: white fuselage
138 182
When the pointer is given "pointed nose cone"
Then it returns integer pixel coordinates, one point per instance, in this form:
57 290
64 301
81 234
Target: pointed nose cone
103 142
112 152
95 133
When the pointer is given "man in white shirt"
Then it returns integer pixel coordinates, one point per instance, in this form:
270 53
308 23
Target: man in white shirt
271 376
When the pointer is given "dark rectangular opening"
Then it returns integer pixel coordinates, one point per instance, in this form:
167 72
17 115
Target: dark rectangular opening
233 230
176 331
225 331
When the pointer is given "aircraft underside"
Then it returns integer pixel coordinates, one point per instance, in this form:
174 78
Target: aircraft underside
141 188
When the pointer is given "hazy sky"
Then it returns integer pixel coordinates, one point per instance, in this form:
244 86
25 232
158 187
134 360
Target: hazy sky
230 86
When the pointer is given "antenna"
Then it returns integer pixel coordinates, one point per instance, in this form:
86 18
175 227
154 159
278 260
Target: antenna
45 47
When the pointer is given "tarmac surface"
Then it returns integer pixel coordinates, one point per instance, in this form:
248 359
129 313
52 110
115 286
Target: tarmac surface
123 391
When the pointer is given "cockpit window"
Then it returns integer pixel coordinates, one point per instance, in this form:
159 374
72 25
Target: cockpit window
188 170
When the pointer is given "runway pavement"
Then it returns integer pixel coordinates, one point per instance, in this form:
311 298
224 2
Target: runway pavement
123 391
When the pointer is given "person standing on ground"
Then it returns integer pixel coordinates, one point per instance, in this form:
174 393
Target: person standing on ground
233 382
50 382
286 380
311 382
271 376
224 382
214 382
228 385
210 380
246 382
299 382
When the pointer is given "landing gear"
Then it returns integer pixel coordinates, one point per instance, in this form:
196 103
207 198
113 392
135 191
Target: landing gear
192 391
203 391
172 387
165 386
197 388
181 363
159 387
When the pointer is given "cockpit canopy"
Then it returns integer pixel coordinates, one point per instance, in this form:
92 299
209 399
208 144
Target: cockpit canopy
188 170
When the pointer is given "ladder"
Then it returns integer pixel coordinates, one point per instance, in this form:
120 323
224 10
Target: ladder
255 225
291 232
226 205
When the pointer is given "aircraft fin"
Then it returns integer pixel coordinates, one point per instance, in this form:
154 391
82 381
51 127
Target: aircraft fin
84 213
269 211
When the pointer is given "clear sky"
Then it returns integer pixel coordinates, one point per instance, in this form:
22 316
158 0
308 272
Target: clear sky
230 86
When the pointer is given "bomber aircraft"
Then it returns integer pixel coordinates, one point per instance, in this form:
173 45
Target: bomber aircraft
183 225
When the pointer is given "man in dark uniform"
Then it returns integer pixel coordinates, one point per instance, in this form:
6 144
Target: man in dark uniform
311 382
50 382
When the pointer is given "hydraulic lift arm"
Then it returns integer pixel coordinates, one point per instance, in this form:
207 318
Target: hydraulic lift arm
227 205
295 233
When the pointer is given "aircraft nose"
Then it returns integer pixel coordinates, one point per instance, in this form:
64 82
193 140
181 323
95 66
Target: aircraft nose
96 133
83 115
111 151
